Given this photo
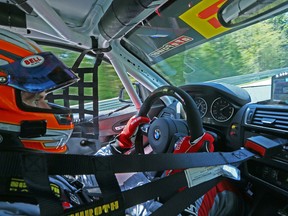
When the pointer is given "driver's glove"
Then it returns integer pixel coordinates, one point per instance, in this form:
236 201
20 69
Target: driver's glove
205 143
123 141
201 144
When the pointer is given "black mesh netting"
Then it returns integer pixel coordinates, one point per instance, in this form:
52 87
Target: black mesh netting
82 99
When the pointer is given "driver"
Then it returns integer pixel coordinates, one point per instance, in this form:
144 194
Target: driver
35 99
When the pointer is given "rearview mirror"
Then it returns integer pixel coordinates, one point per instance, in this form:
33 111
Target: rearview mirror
123 95
237 12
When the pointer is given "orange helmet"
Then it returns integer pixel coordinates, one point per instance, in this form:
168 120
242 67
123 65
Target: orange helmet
26 69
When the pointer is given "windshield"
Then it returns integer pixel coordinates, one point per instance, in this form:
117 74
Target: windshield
248 57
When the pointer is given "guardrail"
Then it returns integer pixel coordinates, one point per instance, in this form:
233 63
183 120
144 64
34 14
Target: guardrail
237 80
105 105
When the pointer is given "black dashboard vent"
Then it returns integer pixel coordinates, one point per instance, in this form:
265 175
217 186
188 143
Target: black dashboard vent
274 119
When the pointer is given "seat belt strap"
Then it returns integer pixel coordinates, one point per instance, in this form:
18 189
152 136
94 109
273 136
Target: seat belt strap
87 164
36 177
142 163
177 203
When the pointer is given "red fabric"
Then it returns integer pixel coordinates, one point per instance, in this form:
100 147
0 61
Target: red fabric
66 205
129 130
209 197
185 146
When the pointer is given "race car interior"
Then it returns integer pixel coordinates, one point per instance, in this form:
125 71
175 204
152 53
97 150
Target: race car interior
191 66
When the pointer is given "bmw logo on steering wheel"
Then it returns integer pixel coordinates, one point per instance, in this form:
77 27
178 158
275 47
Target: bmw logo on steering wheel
157 134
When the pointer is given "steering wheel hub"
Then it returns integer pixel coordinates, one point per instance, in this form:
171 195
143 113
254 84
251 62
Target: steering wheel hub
162 131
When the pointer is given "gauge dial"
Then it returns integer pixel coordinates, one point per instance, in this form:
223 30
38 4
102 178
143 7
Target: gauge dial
221 110
201 105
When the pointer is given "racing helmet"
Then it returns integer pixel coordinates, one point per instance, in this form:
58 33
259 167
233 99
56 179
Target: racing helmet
26 70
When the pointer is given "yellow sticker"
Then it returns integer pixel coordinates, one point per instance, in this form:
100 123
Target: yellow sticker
99 210
19 185
203 18
56 189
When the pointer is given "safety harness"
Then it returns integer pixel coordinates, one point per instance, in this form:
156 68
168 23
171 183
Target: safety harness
35 168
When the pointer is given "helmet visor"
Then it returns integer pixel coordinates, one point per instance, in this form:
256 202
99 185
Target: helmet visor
38 73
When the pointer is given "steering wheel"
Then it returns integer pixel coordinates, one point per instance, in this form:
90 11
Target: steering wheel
162 131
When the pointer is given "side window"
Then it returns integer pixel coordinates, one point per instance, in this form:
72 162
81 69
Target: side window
109 84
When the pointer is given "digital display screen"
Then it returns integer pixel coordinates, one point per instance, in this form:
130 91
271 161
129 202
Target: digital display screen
280 88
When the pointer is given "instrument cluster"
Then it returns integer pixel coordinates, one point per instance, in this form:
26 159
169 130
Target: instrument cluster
220 109
217 103
214 110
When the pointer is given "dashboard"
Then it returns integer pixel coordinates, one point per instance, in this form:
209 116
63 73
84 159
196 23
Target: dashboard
228 110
